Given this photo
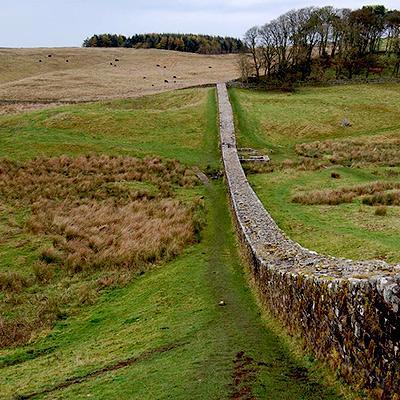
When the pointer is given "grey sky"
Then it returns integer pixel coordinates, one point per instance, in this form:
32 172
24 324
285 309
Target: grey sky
33 23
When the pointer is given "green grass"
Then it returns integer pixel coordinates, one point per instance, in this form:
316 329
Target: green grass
175 125
275 123
166 324
175 305
171 125
180 125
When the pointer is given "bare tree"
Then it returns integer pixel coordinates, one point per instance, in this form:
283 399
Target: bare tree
245 67
312 39
268 49
251 40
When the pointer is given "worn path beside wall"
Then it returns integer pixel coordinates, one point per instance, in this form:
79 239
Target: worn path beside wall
346 311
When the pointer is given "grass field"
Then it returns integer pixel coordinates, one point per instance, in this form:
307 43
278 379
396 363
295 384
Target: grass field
159 333
30 75
52 259
321 186
172 125
175 341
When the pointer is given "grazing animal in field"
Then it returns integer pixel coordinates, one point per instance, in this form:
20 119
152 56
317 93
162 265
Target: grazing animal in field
144 77
49 56
66 60
210 67
165 81
174 77
117 59
158 65
165 66
345 123
40 60
111 63
335 175
152 84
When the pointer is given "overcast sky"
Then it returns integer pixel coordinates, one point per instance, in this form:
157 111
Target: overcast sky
51 23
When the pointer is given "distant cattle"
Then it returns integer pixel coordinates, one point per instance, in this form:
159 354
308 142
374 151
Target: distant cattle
144 77
174 77
165 81
66 60
158 65
117 59
111 63
40 60
210 67
49 56
165 66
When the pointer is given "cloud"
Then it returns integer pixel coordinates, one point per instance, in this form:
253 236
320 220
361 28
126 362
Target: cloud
68 22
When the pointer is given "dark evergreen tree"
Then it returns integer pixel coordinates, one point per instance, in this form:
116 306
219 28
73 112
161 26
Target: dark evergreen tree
169 41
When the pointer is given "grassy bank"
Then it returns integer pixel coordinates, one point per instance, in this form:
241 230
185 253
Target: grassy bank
165 336
170 125
85 215
92 74
328 140
162 333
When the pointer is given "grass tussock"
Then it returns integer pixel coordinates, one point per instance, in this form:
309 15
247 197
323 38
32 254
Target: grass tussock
353 152
89 178
372 193
381 211
107 219
96 236
12 281
391 198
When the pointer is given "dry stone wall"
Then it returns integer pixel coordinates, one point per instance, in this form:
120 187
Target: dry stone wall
346 311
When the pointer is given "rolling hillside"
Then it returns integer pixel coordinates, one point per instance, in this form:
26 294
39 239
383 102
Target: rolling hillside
83 74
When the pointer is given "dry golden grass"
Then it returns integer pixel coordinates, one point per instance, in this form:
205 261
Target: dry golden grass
381 211
103 235
372 193
108 217
19 107
88 74
377 150
391 198
65 179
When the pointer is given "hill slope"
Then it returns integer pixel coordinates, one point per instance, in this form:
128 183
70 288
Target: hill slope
85 74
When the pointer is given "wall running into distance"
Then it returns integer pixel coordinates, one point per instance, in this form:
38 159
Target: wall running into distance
348 312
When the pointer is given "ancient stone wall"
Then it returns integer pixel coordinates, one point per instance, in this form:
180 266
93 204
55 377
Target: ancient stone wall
346 311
